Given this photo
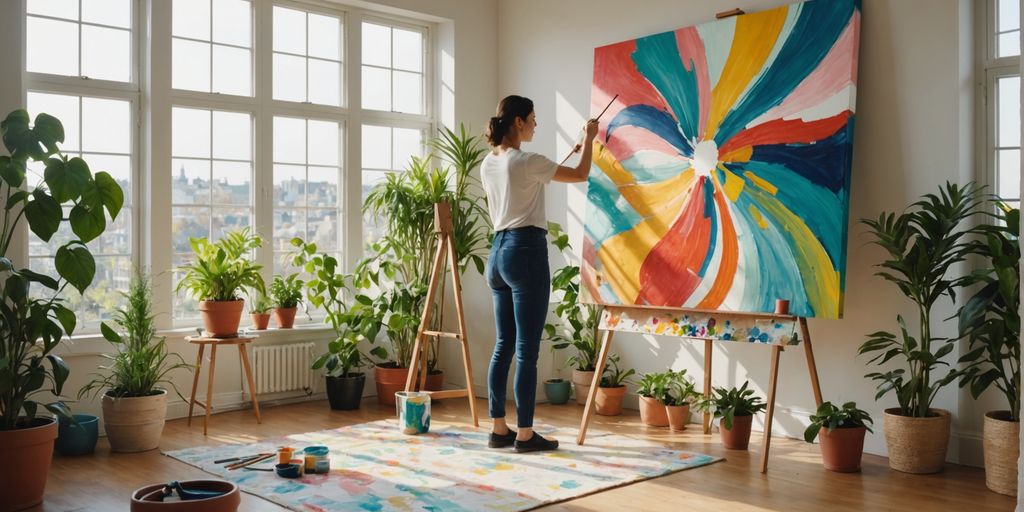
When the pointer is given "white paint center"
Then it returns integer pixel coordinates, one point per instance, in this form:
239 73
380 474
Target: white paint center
705 157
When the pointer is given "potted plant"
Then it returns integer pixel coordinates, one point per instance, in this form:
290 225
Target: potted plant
612 388
653 387
990 321
352 320
736 408
557 390
578 323
680 394
842 441
33 315
259 310
287 294
922 244
134 404
398 266
218 273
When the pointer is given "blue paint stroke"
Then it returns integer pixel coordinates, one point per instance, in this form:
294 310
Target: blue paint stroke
658 122
657 59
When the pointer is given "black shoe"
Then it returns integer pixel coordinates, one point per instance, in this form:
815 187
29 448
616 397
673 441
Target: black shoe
536 444
501 441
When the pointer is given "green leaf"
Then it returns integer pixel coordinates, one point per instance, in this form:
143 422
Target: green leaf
66 317
43 214
66 181
60 372
36 277
87 220
49 131
16 198
110 334
110 193
76 265
812 432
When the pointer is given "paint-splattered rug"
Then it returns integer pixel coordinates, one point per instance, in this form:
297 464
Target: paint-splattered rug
374 467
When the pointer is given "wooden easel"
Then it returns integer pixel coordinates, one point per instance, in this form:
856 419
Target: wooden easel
445 250
776 348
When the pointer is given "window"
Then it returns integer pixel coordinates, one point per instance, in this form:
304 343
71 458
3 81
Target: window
99 131
307 57
392 69
211 193
212 46
385 149
1001 63
307 185
91 39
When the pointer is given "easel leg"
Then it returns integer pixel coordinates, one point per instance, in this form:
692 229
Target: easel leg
195 382
209 385
248 377
708 345
811 366
588 409
463 336
772 384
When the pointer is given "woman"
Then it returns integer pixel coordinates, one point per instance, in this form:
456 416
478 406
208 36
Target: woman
517 270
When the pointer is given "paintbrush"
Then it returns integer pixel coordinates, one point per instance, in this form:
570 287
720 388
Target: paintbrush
237 459
598 118
243 464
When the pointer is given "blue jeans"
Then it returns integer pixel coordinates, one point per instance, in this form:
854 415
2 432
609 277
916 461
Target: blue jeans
520 281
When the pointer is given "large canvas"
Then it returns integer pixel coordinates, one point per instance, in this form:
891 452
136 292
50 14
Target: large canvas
721 172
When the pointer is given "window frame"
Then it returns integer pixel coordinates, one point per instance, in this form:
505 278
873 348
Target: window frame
990 69
85 87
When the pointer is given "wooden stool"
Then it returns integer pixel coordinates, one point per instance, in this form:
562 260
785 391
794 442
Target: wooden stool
203 341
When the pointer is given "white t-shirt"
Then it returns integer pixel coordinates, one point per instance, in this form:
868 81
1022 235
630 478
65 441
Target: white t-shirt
514 183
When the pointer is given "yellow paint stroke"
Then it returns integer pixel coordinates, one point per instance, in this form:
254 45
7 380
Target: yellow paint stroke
622 255
733 184
757 216
738 155
761 182
606 161
753 41
645 198
820 278
502 466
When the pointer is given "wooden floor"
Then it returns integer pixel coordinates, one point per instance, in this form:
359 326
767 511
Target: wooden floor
795 481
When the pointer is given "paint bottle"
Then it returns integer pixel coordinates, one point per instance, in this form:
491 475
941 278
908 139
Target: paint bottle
284 454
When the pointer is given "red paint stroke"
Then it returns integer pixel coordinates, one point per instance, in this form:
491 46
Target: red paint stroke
781 131
616 73
730 258
668 276
692 53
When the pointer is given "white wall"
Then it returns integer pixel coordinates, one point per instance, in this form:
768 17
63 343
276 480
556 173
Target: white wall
914 116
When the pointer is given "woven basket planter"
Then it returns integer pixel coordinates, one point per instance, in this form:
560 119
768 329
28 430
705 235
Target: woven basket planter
917 445
1001 438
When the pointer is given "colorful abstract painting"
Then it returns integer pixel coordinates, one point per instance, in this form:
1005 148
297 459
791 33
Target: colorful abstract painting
705 325
374 467
721 174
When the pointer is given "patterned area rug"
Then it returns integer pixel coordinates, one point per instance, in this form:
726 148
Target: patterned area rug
374 467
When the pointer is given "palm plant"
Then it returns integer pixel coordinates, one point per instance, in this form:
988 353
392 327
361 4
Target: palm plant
400 262
990 319
142 361
222 269
922 244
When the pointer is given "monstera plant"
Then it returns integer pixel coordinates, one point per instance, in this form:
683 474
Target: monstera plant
33 315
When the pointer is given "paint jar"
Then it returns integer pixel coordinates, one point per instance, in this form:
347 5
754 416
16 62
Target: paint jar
413 410
300 463
317 459
284 454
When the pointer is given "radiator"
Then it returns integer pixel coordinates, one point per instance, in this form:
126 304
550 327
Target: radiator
280 368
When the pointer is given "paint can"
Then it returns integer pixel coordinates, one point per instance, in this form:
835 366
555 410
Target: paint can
284 454
317 459
413 410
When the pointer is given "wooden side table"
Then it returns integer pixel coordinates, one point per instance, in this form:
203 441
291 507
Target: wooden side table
202 341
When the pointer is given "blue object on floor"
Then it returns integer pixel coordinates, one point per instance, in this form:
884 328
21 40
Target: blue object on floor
77 437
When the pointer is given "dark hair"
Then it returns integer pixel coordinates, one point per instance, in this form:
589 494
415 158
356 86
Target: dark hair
508 110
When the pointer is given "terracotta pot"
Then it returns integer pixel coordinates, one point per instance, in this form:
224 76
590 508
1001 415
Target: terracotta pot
841 449
260 321
221 317
228 502
1002 447
738 437
26 455
435 381
581 385
134 424
678 416
609 400
389 382
284 317
917 445
652 412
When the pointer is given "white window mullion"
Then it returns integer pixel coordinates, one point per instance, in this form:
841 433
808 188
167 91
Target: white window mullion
351 202
263 176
